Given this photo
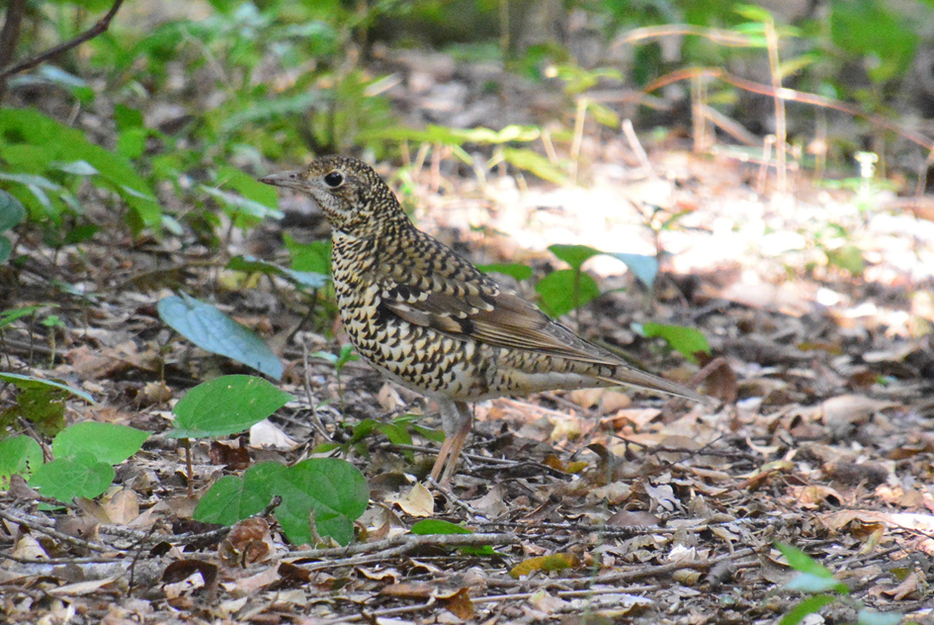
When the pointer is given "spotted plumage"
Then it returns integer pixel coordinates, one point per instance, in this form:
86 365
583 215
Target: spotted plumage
432 321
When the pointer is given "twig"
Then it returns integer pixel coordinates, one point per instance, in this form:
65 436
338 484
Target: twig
100 27
36 525
637 148
405 542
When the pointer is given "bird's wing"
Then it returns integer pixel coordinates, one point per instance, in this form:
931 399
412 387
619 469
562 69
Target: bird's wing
457 299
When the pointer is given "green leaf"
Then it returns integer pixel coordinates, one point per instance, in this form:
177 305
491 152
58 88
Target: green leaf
107 442
314 257
535 163
244 211
19 455
132 142
849 258
227 405
257 114
308 279
81 475
12 212
574 255
37 142
811 605
6 248
438 526
9 316
231 499
753 13
248 187
31 382
332 489
515 270
336 491
78 168
802 562
210 329
558 295
644 267
869 28
687 341
127 118
809 582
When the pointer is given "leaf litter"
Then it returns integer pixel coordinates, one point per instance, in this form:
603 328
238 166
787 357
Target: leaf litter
584 506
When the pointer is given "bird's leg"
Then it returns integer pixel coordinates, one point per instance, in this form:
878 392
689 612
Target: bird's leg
456 419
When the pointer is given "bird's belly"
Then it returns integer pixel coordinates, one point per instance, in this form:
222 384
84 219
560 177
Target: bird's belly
426 360
433 363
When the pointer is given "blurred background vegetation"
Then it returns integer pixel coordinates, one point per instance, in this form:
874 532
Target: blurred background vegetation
161 123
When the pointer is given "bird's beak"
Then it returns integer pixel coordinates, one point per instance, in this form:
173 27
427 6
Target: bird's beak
288 179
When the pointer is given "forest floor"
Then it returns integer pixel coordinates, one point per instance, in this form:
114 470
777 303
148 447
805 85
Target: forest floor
818 307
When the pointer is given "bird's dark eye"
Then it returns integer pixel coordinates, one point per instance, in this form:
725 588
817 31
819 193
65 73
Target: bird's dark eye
334 179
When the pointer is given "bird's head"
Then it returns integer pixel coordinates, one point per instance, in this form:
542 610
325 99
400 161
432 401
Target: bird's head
350 193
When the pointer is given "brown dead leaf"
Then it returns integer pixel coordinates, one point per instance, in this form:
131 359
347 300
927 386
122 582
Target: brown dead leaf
460 605
248 542
911 586
632 518
122 506
417 502
234 457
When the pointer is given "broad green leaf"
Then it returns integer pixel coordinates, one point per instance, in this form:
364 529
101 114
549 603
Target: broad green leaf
19 455
558 293
47 141
687 341
644 267
107 442
574 255
245 212
231 499
12 212
210 329
310 257
226 405
307 279
802 562
331 490
811 605
870 28
334 489
127 118
249 187
535 163
516 270
81 475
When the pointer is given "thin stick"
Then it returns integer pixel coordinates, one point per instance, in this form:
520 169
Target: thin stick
100 27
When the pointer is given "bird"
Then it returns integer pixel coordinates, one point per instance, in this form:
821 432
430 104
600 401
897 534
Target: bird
430 320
